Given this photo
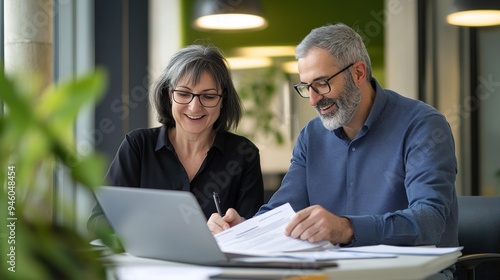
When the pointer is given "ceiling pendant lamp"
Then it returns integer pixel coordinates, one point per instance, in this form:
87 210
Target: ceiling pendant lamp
475 13
228 15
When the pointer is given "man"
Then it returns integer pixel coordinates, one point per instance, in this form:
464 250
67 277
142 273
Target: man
374 167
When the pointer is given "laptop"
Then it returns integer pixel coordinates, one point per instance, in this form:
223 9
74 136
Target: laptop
170 225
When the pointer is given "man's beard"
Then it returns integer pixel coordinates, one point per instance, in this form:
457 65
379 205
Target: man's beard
347 103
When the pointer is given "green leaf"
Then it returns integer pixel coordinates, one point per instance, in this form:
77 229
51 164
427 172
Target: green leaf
18 106
89 170
62 103
33 133
278 137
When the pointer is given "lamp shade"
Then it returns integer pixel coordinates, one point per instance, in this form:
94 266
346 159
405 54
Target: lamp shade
228 15
475 13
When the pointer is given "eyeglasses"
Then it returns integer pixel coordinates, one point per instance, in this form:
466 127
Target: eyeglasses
206 100
320 86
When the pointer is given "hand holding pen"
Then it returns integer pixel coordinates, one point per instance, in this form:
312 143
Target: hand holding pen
218 223
217 203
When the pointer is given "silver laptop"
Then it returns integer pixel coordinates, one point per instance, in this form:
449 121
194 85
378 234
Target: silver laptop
170 225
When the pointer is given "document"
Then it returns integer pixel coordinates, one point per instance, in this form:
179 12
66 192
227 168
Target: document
163 272
403 250
264 234
333 254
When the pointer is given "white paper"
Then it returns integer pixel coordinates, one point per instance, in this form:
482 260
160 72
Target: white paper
323 253
404 250
335 254
263 234
157 272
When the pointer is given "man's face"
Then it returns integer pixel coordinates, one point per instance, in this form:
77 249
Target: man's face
337 107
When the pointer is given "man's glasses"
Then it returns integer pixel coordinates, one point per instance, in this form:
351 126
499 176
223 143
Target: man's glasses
206 100
320 86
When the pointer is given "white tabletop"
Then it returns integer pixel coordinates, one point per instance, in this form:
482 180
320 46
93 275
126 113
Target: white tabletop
403 267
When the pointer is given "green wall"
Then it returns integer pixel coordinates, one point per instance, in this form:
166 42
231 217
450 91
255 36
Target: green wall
290 20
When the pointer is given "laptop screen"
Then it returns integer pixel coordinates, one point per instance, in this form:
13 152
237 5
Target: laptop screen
159 224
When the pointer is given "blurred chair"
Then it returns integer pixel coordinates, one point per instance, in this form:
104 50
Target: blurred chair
479 234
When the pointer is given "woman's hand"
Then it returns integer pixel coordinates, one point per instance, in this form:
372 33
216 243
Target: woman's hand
216 223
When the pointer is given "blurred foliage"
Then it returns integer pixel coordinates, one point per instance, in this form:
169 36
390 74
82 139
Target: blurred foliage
258 90
36 132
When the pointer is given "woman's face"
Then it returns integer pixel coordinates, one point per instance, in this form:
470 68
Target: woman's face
193 117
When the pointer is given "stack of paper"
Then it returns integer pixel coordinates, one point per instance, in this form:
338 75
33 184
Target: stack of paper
263 235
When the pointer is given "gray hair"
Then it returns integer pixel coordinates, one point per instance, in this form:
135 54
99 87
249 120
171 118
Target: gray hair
344 44
190 62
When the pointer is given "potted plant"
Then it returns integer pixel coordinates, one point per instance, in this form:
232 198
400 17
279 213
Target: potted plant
36 132
258 91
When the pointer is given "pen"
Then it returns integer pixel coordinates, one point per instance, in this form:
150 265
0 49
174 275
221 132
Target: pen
217 203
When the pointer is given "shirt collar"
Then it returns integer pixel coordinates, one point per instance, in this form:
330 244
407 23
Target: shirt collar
378 104
376 109
220 140
163 140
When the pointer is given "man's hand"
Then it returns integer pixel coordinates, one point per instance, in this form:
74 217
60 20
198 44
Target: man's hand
315 224
216 223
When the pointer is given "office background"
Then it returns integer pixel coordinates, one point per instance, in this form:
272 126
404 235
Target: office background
414 50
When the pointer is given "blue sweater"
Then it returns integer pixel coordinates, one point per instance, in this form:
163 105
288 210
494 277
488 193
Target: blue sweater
395 181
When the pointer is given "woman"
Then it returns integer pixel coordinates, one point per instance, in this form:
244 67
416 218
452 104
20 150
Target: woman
193 150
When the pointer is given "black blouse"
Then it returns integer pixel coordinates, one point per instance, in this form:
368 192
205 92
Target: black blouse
147 159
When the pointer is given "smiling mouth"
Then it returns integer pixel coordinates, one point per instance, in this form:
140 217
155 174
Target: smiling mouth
325 109
194 117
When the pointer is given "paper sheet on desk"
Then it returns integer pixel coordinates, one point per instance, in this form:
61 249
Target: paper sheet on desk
403 250
333 254
152 272
368 252
263 234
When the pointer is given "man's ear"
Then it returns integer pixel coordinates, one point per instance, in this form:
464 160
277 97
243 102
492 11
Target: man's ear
359 73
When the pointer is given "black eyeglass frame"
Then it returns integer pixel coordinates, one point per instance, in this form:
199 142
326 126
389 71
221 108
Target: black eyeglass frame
193 95
327 81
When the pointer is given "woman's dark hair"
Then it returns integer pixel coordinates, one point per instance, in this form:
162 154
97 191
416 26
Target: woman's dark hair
190 62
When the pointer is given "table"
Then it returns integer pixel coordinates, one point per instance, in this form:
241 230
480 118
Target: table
403 267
